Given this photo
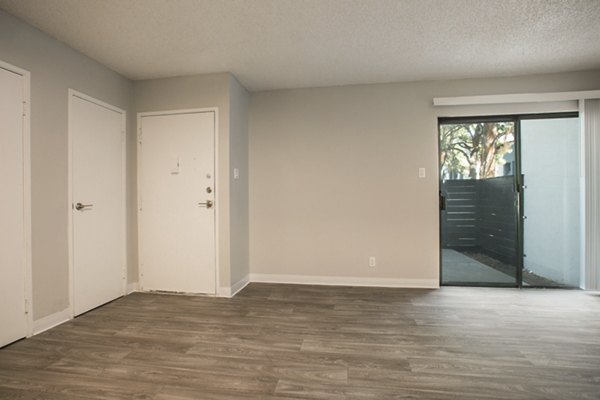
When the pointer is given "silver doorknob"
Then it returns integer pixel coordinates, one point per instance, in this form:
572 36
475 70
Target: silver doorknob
80 206
208 204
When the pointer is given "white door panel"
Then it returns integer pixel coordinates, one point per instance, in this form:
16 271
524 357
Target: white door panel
97 174
13 321
177 234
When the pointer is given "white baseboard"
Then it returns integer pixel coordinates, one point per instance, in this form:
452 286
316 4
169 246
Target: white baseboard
239 285
346 281
133 287
50 321
230 291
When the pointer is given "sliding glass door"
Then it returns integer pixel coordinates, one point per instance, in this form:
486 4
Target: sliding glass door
510 201
550 154
478 216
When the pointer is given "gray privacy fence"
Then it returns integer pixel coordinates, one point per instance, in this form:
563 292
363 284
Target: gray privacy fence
480 216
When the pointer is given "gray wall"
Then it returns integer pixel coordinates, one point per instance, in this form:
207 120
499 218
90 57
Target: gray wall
238 147
54 69
334 173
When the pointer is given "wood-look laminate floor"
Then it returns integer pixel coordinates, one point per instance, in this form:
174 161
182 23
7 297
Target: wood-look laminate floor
317 342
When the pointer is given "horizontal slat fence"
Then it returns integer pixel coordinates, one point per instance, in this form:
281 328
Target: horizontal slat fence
480 217
460 219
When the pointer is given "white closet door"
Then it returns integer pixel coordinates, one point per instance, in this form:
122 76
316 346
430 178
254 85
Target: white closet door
13 320
177 216
97 140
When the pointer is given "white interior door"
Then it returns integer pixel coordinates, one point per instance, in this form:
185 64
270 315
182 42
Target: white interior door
97 137
177 213
13 320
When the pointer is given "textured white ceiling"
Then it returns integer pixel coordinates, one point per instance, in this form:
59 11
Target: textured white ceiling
271 44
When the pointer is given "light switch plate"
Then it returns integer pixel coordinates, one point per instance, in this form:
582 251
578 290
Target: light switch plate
421 172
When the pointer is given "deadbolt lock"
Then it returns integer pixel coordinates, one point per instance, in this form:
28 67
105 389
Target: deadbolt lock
208 189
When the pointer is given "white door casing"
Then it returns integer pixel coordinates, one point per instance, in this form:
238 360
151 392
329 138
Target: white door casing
97 182
15 234
176 176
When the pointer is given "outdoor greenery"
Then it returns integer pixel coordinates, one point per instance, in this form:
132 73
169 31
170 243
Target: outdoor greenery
475 150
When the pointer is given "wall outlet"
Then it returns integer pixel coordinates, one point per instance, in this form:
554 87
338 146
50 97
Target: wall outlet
372 262
236 173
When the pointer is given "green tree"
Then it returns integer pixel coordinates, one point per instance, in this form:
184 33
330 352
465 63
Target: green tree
474 150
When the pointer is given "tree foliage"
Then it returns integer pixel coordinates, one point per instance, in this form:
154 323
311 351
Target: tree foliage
474 150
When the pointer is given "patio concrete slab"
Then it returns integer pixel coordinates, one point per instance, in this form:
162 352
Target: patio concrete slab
457 268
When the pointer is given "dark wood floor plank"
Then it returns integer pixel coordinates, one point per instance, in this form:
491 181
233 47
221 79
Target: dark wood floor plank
277 342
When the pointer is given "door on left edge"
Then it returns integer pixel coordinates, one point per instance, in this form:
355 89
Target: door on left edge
97 137
13 318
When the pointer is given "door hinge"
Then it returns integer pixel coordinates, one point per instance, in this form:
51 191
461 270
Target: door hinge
24 108
140 135
26 306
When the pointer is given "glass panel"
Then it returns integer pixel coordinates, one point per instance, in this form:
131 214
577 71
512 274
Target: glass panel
479 220
551 202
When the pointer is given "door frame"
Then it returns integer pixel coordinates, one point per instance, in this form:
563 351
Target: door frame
70 232
26 159
517 181
217 190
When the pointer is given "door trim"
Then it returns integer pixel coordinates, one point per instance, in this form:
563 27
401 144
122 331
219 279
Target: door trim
27 251
74 93
215 111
